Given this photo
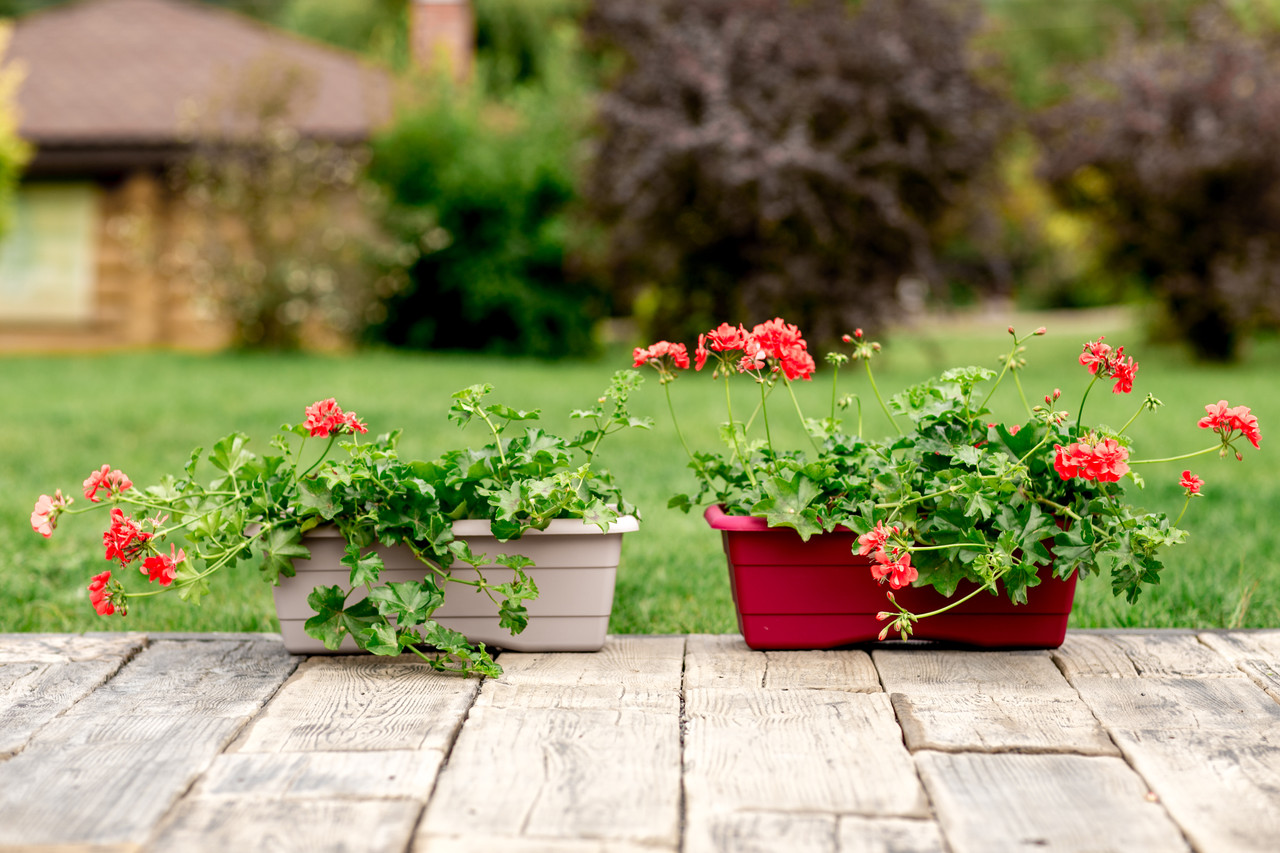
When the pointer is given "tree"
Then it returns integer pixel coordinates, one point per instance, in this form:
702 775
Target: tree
1173 151
280 235
761 157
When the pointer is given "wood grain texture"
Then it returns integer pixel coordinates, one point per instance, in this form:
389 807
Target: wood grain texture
139 740
476 842
1254 653
1219 786
362 702
638 663
66 648
1169 655
316 826
1199 704
392 774
958 701
726 661
1092 654
1005 802
589 753
803 750
808 832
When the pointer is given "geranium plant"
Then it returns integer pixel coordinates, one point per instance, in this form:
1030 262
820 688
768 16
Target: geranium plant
181 532
951 496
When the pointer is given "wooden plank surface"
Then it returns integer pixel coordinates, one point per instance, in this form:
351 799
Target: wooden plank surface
1121 740
589 752
126 752
959 701
1204 735
726 661
1006 802
362 703
42 676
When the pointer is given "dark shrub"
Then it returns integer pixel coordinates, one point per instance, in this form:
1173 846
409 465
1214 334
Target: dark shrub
1175 151
761 157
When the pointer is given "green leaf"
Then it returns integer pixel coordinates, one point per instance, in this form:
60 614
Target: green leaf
333 623
408 602
229 454
788 503
381 639
317 496
280 546
364 570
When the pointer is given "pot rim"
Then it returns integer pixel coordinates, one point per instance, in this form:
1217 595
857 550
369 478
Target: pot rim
481 527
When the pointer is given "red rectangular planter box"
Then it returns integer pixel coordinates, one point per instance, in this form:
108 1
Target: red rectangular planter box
793 594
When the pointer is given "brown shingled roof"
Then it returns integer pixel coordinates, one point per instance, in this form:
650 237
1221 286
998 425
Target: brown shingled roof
115 74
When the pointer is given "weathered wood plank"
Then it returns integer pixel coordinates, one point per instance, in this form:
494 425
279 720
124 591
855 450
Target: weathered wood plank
726 661
803 750
1255 653
224 678
1202 704
68 648
636 662
317 826
393 774
1006 802
127 751
808 832
862 835
1092 655
362 702
506 844
1171 655
957 701
1221 787
586 756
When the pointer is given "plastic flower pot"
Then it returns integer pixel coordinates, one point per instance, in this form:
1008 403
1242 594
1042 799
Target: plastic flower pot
819 594
575 566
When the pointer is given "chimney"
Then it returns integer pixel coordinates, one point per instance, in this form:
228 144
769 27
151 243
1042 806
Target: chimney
443 32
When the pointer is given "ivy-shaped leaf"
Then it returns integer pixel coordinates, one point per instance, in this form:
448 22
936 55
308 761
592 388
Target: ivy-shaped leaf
280 546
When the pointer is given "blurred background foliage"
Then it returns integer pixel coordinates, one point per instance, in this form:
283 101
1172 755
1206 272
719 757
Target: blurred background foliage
13 152
868 159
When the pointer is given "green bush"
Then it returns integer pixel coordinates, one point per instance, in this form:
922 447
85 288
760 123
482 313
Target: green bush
772 157
1173 152
483 180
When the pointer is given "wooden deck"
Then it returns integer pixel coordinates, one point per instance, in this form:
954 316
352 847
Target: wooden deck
1124 741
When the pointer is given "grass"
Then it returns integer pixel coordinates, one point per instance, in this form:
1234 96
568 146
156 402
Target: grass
144 412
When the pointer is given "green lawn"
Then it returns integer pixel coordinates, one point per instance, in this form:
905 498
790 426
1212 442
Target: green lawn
144 412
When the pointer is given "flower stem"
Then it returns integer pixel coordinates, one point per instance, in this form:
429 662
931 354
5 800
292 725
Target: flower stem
1129 422
876 389
1023 394
733 431
800 414
1174 458
1080 414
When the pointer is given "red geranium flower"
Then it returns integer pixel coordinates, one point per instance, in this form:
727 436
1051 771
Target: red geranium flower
100 594
126 540
1191 483
1092 459
163 567
325 418
105 478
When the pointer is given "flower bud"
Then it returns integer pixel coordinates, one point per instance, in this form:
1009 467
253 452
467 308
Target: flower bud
883 615
847 339
857 333
885 633
1011 331
1040 331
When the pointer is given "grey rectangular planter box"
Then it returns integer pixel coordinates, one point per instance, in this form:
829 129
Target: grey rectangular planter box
575 566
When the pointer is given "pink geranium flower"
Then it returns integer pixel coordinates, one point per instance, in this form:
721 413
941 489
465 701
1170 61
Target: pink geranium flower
105 478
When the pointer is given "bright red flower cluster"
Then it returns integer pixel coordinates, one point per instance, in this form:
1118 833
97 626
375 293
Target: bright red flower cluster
1102 360
105 478
44 517
891 562
1227 422
325 417
101 593
775 340
1191 483
677 353
126 540
1104 460
163 567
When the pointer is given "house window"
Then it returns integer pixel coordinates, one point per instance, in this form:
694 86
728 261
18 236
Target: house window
48 256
